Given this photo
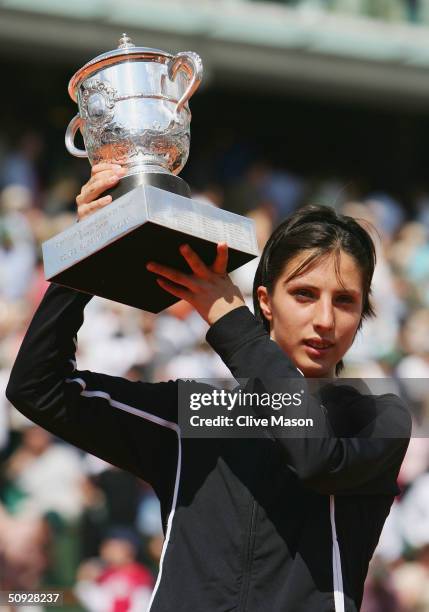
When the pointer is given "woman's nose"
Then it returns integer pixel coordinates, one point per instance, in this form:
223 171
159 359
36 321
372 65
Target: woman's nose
324 315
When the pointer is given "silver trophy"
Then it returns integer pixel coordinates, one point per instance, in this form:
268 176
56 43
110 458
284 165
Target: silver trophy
134 111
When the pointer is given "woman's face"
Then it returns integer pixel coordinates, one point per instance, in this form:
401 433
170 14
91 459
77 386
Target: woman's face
314 308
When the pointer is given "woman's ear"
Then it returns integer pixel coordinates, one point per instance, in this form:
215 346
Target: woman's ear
264 302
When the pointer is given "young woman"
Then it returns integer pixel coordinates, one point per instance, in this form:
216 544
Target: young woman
272 523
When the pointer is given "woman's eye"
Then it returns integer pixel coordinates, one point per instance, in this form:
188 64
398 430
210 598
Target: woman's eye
345 298
303 292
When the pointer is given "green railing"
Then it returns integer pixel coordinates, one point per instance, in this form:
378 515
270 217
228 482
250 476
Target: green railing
411 11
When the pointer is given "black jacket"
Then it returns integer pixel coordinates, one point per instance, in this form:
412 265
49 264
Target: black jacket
268 524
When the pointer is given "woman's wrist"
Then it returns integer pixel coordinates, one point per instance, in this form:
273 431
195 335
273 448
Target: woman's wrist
222 308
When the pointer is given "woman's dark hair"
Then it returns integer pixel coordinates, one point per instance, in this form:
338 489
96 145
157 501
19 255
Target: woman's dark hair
323 230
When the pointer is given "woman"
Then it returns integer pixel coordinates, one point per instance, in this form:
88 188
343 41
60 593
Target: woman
271 523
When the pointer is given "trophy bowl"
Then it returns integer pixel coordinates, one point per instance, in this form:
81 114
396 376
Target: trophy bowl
133 108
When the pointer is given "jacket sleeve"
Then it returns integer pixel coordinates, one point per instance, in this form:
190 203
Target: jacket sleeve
132 425
321 460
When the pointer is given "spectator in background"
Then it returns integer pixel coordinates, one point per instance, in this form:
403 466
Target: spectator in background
115 340
115 582
17 247
380 595
19 166
411 583
280 189
422 206
388 214
43 477
415 513
112 497
23 550
415 361
261 186
378 336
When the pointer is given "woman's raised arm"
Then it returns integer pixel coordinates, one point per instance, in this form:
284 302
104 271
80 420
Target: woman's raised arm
129 424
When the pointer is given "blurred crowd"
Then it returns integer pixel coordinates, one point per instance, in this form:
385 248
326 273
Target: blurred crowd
414 11
70 521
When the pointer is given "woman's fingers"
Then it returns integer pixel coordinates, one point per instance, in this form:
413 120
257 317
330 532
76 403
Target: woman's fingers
198 267
105 166
103 176
221 261
174 289
196 264
209 290
172 275
96 185
89 200
86 209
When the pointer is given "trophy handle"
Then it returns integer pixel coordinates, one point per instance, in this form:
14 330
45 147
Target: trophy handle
72 128
191 63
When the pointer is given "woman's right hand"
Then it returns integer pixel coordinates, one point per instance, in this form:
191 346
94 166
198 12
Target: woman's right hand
103 176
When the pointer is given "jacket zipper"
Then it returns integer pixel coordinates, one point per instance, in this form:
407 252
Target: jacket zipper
249 558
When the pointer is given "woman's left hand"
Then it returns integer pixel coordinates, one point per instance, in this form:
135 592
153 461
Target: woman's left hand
209 289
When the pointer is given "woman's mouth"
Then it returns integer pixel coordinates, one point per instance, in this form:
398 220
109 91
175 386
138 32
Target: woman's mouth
316 350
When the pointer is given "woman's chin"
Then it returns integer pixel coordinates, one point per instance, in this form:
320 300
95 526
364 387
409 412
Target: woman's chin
315 368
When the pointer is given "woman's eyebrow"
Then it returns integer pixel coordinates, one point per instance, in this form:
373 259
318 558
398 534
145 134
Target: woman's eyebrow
301 284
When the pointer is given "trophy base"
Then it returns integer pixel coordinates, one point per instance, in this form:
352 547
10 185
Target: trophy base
105 254
162 180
